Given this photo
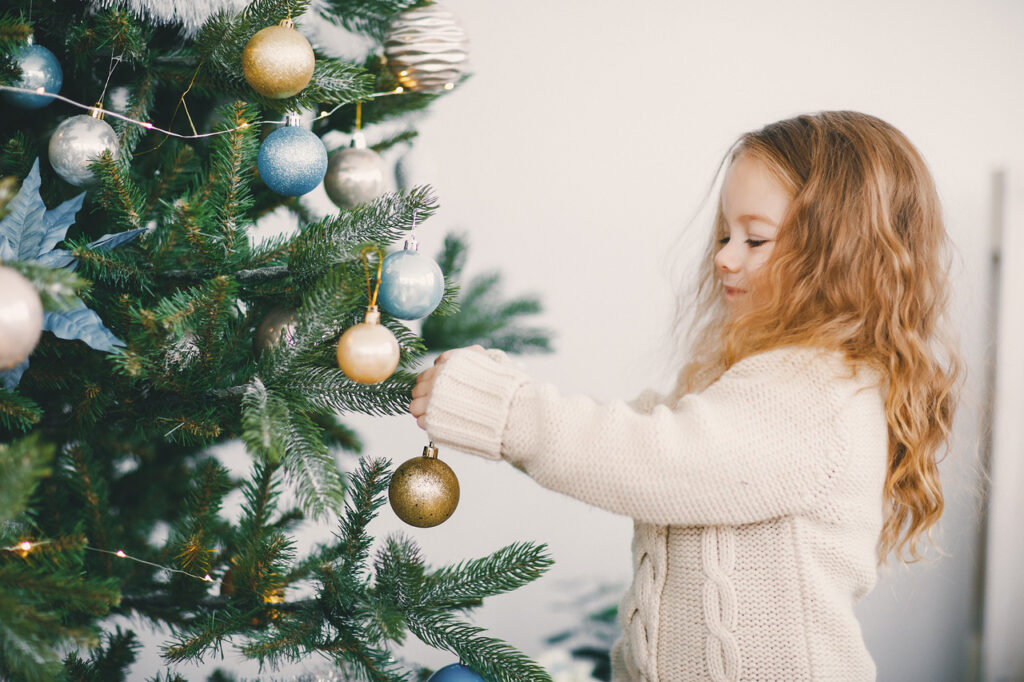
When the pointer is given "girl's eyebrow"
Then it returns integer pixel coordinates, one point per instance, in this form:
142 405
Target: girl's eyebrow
758 217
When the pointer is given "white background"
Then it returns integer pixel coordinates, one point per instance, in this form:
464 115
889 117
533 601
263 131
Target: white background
575 159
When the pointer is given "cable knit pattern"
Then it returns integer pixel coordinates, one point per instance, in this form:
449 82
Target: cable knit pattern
757 504
718 559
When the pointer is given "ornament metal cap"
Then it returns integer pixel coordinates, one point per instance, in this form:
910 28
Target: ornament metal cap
411 244
287 23
292 119
358 140
430 451
96 111
372 315
31 39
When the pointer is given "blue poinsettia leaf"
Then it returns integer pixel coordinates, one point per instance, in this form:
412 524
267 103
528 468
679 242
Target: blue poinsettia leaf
110 241
12 376
81 324
58 258
6 250
58 221
29 228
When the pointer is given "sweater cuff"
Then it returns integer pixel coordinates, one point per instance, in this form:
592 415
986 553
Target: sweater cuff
469 403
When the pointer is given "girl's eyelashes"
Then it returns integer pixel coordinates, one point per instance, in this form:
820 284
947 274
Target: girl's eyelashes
754 243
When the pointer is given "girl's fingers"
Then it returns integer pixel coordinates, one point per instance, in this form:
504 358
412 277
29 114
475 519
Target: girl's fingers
418 407
422 387
421 422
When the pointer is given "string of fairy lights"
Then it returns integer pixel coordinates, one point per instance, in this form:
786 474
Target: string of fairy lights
26 546
95 109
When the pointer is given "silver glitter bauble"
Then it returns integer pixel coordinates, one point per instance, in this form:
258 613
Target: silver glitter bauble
76 143
355 175
426 49
21 317
278 324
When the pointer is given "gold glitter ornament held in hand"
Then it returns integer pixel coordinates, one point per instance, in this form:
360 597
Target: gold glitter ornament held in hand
424 491
368 352
278 61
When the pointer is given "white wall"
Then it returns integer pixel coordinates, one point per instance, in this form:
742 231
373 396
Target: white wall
576 156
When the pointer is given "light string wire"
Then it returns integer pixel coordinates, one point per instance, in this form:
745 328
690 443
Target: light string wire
149 126
26 546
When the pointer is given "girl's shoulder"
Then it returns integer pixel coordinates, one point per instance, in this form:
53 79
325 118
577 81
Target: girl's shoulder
810 366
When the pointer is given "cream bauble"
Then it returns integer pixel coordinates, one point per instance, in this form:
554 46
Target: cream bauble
21 317
368 352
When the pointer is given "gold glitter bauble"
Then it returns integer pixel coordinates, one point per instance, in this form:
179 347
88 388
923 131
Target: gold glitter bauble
278 61
368 352
426 49
424 491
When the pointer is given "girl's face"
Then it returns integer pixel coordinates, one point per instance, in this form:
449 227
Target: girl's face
753 205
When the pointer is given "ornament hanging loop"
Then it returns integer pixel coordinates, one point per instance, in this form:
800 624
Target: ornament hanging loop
410 243
371 290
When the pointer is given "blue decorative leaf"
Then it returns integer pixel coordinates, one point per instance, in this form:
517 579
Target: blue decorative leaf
12 376
6 250
110 241
29 228
81 324
58 221
23 225
58 258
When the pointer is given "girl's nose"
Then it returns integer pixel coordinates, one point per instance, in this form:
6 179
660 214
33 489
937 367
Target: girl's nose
726 260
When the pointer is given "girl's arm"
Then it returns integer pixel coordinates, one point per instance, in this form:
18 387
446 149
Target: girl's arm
765 440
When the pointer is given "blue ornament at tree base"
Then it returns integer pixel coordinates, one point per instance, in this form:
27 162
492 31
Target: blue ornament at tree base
292 160
456 672
411 284
39 69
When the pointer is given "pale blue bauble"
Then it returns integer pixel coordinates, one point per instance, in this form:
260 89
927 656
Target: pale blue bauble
292 161
411 285
456 672
39 69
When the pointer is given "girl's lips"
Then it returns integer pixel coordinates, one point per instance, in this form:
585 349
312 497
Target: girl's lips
733 291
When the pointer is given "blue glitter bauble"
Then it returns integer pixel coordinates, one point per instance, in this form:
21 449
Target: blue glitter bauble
411 285
39 69
292 161
456 672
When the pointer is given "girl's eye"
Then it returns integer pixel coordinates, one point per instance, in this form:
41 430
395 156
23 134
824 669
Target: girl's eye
723 240
756 242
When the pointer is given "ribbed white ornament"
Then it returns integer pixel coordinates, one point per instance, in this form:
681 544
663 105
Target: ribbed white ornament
426 49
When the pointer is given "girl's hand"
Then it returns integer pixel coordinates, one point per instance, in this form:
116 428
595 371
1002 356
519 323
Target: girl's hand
425 384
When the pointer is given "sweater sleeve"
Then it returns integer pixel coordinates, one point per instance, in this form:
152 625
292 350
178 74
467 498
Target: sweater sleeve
765 440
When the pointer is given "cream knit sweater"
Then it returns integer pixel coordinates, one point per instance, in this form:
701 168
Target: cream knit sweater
757 504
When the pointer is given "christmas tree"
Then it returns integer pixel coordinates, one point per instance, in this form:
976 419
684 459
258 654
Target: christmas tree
141 324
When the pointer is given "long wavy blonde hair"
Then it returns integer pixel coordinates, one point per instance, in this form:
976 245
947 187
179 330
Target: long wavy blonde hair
859 265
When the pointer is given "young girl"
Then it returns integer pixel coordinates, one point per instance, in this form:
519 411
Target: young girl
799 445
